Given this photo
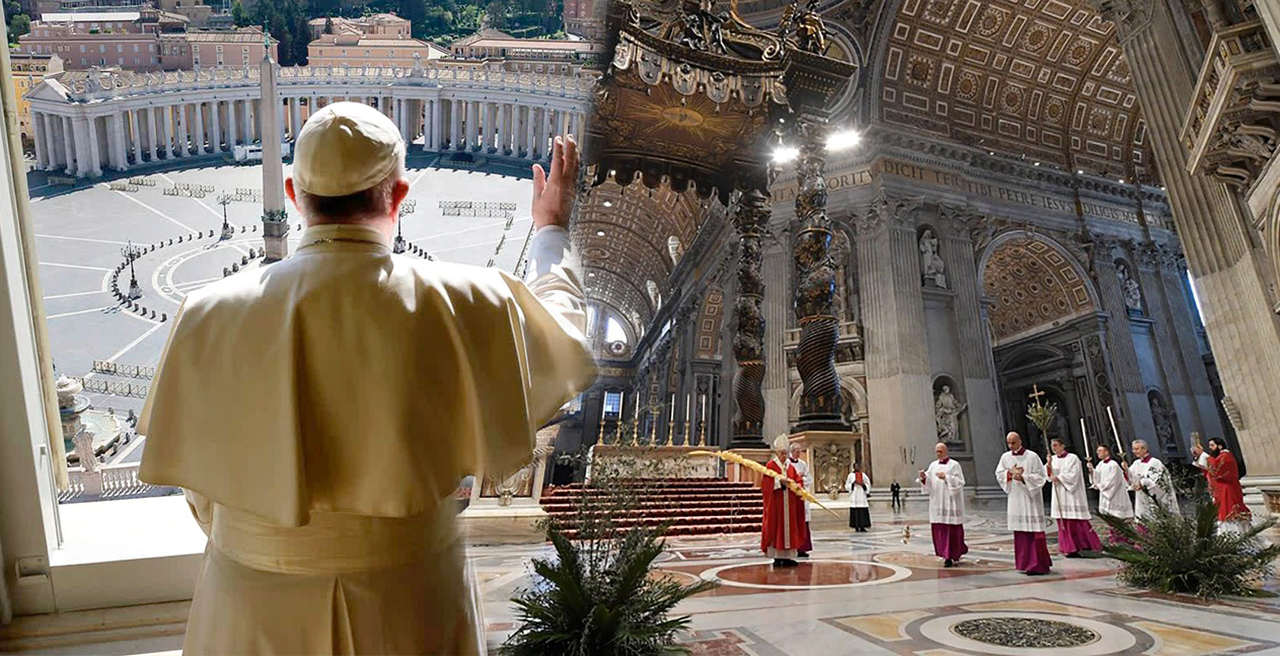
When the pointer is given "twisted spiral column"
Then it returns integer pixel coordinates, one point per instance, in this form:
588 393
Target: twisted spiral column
816 285
749 218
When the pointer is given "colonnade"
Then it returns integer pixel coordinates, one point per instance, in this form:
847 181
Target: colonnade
84 139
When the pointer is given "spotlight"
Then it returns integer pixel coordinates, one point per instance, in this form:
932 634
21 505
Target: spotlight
785 154
608 203
844 140
599 233
1079 171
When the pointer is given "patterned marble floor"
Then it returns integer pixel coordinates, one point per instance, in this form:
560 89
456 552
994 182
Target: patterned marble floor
874 593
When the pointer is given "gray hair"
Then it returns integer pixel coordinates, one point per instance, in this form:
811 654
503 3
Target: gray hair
371 203
1137 442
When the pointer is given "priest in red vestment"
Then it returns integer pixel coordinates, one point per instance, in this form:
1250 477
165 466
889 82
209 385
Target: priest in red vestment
783 529
1224 482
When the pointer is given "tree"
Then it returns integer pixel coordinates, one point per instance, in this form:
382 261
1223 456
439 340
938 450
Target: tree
495 14
19 24
238 14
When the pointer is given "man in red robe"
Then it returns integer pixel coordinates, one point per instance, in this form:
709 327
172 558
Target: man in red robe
1224 481
783 528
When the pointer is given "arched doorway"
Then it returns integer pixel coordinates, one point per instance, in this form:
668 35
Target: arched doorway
1046 335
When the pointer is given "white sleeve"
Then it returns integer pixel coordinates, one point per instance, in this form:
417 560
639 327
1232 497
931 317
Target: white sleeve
550 247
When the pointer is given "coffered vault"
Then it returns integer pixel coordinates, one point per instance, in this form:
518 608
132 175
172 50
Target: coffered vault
1043 80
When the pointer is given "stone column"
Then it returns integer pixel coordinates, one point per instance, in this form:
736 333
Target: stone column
749 219
457 111
977 366
295 117
42 148
1221 253
95 147
540 133
184 139
168 131
215 141
526 131
815 285
473 124
50 132
151 133
137 136
198 122
233 127
115 142
901 424
70 147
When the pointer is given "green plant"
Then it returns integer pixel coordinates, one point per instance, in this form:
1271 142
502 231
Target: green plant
583 605
599 594
1188 553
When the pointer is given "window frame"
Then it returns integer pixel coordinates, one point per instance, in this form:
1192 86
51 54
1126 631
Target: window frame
44 572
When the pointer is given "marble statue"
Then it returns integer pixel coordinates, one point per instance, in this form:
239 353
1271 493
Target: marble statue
1163 421
1129 288
932 269
946 413
654 296
83 441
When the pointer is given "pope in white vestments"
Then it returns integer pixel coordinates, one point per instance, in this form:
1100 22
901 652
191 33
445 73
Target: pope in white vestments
943 482
1150 481
1070 503
1110 479
1021 475
320 411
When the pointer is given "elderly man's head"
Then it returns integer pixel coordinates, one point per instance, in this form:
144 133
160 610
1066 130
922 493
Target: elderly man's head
348 167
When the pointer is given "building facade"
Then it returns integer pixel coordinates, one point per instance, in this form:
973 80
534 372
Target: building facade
359 50
489 43
29 71
387 26
197 49
89 122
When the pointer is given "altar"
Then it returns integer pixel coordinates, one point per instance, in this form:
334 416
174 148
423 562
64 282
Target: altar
647 461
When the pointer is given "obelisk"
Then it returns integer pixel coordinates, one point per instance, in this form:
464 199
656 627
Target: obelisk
275 222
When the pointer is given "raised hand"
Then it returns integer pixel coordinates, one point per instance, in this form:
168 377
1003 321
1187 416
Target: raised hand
553 192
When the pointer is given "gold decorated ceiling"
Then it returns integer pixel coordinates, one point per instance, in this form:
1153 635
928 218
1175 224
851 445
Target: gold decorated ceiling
1035 286
637 224
1040 78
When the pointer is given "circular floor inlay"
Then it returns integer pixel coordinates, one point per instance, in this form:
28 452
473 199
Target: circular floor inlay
1105 639
1025 632
808 574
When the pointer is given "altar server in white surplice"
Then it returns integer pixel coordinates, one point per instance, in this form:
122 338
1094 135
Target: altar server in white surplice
943 481
1110 479
1021 475
1070 502
320 411
1150 482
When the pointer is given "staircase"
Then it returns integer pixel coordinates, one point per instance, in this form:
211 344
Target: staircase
691 506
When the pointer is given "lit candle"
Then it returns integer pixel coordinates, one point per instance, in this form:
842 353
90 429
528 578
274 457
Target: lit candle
688 402
1115 431
1085 432
621 401
704 407
672 420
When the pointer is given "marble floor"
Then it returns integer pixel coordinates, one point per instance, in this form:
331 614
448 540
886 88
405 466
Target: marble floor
874 593
883 592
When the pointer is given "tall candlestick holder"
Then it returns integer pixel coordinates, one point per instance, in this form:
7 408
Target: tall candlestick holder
685 437
702 433
671 433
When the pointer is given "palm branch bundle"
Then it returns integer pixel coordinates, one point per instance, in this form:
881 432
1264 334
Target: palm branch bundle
729 456
1190 553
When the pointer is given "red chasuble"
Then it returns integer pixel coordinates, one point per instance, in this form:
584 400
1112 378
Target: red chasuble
1224 481
783 525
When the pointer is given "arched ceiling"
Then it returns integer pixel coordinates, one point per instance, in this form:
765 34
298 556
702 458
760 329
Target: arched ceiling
1040 78
623 237
1035 286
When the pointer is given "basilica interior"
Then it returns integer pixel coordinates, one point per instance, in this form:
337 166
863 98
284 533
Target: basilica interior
955 209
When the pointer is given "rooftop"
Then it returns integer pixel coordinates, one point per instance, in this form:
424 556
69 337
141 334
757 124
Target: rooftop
89 16
242 35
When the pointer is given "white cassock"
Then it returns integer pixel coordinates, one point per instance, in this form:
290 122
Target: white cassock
946 495
1070 496
1025 510
1149 473
320 411
858 495
1113 489
802 468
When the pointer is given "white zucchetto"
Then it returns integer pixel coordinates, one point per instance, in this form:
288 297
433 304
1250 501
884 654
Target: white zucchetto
345 148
